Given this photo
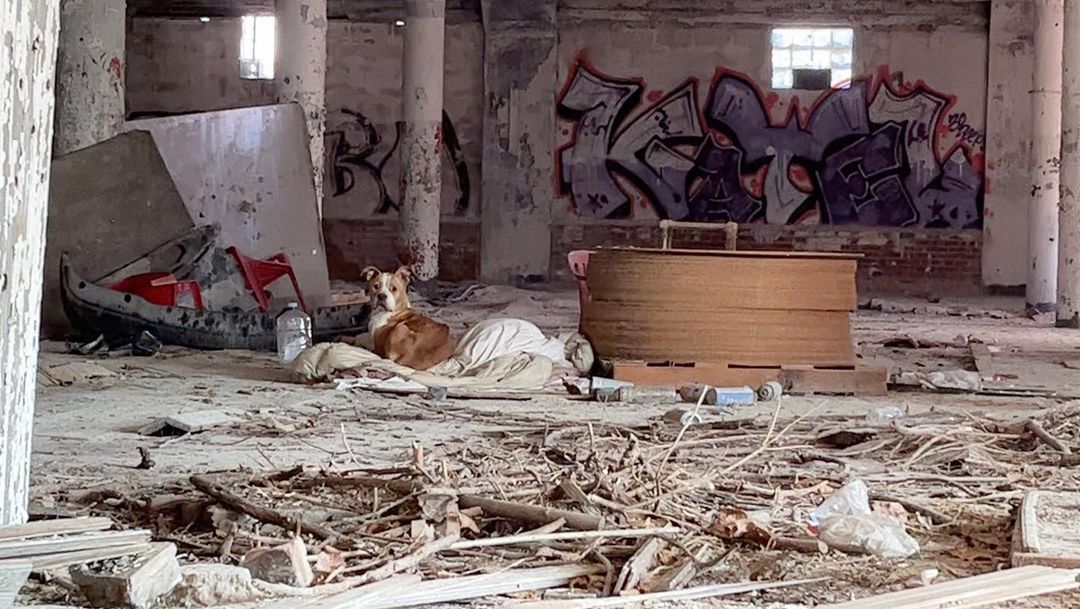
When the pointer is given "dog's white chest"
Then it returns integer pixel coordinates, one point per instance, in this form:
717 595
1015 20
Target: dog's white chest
378 320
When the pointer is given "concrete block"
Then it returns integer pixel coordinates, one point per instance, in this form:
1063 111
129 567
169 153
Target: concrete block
283 564
135 582
213 585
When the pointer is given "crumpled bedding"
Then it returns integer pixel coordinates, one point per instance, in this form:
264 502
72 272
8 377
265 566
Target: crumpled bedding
496 354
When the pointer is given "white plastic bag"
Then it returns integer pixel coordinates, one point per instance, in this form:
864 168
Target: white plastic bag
844 521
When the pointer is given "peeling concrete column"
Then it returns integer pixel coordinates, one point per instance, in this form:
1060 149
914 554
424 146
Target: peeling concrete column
421 141
28 30
517 185
1068 292
301 72
1041 292
90 73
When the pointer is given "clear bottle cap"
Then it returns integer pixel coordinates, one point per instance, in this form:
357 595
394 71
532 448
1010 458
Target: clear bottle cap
292 305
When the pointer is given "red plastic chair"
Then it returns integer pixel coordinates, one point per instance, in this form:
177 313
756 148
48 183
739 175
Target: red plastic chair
579 266
260 273
161 289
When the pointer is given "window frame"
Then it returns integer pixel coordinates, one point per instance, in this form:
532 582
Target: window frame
840 74
252 66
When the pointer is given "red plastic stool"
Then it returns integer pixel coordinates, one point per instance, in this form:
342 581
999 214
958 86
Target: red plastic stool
579 266
161 289
260 273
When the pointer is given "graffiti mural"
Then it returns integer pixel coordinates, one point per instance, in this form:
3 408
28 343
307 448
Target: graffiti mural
872 153
357 146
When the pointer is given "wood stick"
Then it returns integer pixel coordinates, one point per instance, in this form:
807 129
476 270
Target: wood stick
935 516
409 562
527 538
513 510
531 513
1040 432
807 545
264 514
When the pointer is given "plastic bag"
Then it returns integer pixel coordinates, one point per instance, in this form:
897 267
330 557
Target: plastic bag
844 521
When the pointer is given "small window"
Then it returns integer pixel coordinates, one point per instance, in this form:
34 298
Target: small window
258 39
811 58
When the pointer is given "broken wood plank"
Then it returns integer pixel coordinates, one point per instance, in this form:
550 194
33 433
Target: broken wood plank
672 595
78 557
392 593
527 538
1045 530
62 526
265 514
677 576
637 568
16 548
977 591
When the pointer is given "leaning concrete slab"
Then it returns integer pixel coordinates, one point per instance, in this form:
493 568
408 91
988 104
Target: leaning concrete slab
108 205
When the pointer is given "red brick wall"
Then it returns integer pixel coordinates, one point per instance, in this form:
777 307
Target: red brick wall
917 260
353 244
914 260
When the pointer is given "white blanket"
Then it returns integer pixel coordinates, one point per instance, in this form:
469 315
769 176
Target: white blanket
497 354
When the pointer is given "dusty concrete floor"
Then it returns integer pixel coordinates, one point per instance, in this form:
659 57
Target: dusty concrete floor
85 435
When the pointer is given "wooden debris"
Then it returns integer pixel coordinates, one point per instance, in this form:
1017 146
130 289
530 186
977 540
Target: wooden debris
1034 427
265 514
283 564
674 595
49 528
970 592
42 547
151 575
529 538
409 592
639 565
1045 532
495 507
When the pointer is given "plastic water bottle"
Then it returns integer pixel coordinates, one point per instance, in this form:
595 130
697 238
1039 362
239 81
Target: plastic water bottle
293 333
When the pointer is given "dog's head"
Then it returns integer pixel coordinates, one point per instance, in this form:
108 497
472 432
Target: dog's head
386 291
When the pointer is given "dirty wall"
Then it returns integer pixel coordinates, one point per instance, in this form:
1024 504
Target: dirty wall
668 113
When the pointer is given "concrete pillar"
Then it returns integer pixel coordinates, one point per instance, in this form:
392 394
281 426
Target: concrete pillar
517 183
90 73
1041 292
421 141
301 72
1068 293
27 67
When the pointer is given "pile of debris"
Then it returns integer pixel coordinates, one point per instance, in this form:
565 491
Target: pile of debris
805 510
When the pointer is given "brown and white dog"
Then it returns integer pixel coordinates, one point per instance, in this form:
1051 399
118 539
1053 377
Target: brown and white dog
398 333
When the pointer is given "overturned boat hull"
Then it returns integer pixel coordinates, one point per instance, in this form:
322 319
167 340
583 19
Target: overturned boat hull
96 309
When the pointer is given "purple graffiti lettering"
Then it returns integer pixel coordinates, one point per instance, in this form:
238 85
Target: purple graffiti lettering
860 182
720 196
640 149
866 154
958 125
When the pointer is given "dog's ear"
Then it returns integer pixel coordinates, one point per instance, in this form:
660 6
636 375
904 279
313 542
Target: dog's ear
405 273
369 273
